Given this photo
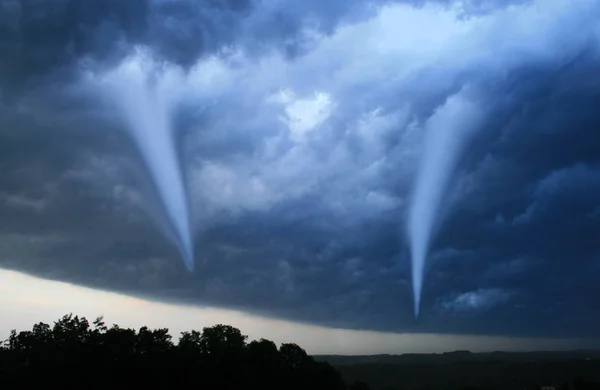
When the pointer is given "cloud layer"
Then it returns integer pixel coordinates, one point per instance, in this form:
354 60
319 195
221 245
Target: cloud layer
300 131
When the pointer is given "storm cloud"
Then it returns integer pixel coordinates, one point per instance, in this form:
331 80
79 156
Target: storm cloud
300 131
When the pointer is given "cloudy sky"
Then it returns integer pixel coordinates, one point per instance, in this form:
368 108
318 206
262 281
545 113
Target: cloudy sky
294 155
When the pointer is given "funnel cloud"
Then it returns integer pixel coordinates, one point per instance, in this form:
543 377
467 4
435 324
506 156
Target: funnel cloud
144 103
448 132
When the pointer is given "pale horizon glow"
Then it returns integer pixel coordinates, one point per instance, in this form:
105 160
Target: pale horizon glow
27 300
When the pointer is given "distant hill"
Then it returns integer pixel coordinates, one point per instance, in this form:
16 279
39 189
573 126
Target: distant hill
458 357
464 369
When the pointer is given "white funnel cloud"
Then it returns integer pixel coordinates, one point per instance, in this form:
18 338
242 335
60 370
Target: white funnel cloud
447 133
144 97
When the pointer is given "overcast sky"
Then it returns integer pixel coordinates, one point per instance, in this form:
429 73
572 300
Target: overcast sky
300 131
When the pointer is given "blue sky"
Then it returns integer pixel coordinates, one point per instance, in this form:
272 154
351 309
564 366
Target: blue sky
300 134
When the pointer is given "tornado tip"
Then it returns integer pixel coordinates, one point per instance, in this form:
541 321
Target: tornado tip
188 260
189 263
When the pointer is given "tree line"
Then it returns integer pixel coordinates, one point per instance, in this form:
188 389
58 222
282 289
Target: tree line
75 353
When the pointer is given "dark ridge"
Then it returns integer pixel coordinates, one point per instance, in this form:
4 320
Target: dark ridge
572 370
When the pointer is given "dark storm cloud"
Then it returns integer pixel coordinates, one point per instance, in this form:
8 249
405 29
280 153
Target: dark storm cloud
299 198
39 37
525 219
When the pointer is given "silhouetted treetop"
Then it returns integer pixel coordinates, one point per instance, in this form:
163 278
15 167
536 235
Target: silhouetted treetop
73 352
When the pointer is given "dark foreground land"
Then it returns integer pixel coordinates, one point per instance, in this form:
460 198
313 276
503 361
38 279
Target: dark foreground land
74 353
464 370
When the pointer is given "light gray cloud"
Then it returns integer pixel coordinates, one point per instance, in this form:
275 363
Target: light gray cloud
476 300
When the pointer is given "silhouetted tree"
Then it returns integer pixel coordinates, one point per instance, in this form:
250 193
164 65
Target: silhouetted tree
582 384
264 362
190 341
73 352
293 357
305 372
565 386
359 386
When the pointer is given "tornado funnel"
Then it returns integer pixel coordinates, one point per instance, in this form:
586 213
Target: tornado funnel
447 133
143 99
